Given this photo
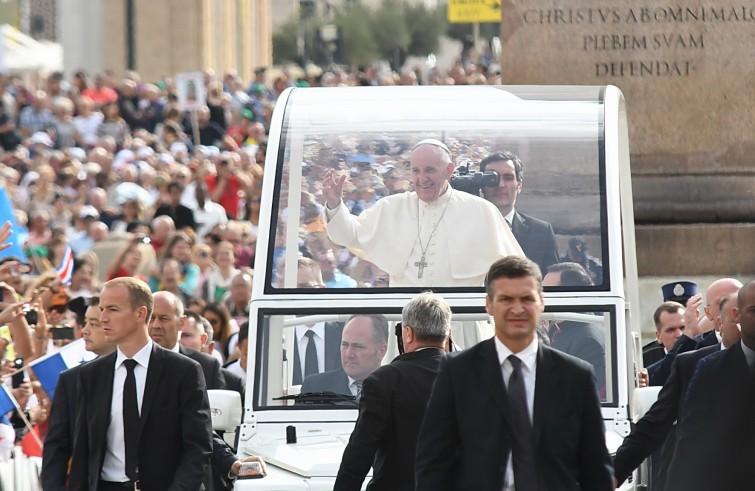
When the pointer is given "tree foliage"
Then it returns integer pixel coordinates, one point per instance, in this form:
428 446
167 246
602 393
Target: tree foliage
390 31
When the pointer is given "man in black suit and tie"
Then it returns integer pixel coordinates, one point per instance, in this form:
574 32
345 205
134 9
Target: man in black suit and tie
363 344
509 413
165 329
143 413
393 402
716 432
656 427
319 345
535 236
56 453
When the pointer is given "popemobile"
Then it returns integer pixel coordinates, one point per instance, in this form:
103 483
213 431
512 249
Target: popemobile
573 145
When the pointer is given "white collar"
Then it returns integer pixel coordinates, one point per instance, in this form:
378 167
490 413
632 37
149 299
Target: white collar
441 201
510 217
528 355
141 356
319 330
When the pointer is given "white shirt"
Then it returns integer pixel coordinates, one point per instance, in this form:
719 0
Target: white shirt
114 464
235 367
302 341
529 369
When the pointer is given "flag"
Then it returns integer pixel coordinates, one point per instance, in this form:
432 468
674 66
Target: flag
19 233
48 368
65 269
7 401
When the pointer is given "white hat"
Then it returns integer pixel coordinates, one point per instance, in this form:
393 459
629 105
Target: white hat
178 147
88 211
78 153
40 137
145 152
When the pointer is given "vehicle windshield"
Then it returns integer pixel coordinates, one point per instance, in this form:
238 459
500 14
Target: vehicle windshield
350 344
556 197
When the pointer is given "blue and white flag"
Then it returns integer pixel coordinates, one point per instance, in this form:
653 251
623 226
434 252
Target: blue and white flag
20 234
48 368
65 269
7 401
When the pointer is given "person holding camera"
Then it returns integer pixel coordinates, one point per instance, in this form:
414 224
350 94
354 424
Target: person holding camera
535 236
432 236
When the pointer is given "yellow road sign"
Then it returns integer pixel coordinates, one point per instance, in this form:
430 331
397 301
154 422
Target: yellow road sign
461 11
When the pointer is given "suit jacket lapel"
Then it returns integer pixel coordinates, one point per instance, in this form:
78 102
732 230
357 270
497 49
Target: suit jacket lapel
492 375
519 226
546 381
154 374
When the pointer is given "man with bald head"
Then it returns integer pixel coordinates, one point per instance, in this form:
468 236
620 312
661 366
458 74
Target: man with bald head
716 432
656 427
165 330
692 339
432 236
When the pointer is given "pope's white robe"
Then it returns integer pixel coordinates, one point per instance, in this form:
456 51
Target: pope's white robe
470 236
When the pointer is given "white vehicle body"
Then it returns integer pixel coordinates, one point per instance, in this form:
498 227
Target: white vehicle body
575 136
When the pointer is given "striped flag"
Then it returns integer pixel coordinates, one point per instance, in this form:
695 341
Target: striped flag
7 401
48 368
65 269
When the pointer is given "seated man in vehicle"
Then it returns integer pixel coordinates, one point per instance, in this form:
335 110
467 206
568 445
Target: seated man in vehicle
432 236
363 344
585 341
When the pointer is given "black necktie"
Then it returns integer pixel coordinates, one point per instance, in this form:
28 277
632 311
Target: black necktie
131 422
523 444
310 356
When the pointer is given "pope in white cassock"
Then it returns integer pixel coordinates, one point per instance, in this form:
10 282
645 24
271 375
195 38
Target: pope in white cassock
434 236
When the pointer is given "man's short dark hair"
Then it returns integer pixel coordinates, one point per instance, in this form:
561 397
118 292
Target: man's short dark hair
243 332
175 185
379 326
513 267
572 274
669 308
504 157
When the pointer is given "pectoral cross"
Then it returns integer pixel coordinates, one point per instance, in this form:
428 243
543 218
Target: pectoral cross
420 266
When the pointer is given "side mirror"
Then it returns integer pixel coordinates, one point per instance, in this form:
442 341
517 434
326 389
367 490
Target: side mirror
225 408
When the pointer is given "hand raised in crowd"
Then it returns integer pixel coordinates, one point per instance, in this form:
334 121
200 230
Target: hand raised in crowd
5 233
692 315
7 269
254 458
12 312
333 189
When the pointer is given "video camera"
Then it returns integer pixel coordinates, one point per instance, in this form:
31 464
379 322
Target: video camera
473 182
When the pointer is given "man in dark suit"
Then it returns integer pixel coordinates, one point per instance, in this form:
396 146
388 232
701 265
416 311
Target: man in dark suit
393 402
511 412
165 329
585 341
714 447
56 453
324 352
656 427
669 327
678 291
692 339
196 334
535 236
363 344
156 430
326 339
